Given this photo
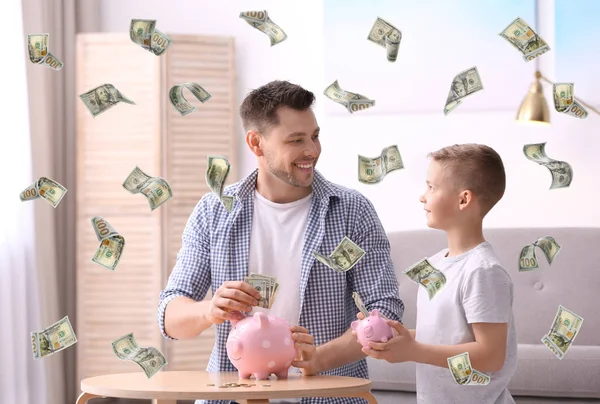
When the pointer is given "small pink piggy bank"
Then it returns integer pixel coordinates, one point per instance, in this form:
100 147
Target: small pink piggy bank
260 345
372 329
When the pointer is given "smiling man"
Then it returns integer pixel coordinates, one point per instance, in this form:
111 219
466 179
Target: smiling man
283 212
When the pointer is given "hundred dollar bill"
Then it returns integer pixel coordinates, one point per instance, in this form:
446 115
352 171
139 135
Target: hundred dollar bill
180 103
145 34
266 285
373 170
564 329
216 175
359 303
156 189
464 84
463 372
527 259
261 21
352 101
344 257
50 190
562 172
37 44
102 98
385 34
111 246
565 102
149 359
57 337
422 272
520 35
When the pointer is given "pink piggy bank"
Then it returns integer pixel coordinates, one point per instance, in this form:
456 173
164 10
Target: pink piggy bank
372 329
260 345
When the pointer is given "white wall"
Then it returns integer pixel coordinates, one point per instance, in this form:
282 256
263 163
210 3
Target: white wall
300 59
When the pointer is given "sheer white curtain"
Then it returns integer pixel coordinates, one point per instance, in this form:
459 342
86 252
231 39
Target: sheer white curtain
23 379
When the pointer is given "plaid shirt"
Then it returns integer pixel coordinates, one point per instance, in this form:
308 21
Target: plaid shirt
215 247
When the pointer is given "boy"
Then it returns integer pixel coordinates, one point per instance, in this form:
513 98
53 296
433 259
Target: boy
472 312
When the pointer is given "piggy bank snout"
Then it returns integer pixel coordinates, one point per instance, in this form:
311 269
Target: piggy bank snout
234 348
368 331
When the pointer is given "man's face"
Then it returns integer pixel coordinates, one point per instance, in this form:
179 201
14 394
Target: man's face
292 144
103 95
440 199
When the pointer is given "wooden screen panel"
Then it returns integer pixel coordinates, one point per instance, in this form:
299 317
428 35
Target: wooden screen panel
114 303
209 130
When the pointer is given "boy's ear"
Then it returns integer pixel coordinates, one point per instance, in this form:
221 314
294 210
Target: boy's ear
466 199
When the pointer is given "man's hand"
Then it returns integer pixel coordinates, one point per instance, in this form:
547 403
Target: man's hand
401 348
231 300
305 359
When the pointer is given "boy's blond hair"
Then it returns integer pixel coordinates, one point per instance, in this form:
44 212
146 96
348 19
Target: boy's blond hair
475 167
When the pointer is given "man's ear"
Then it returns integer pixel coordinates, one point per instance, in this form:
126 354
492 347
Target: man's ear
254 142
466 199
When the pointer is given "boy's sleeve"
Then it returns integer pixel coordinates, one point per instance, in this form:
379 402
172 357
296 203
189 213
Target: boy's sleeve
191 275
373 277
487 296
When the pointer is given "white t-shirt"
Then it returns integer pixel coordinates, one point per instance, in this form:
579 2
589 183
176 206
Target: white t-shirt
478 290
276 244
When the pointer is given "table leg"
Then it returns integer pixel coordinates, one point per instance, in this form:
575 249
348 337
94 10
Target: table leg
84 397
157 401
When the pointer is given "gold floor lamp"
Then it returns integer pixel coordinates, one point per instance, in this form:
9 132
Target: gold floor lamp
534 108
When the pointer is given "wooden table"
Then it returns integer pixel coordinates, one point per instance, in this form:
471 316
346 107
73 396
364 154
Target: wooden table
167 387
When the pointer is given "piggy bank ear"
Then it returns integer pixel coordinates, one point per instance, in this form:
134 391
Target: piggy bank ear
355 324
262 319
375 313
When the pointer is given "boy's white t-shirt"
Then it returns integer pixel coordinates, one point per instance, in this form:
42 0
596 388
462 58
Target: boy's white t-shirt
478 290
276 244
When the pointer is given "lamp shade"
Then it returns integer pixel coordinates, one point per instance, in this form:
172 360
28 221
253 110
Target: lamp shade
534 108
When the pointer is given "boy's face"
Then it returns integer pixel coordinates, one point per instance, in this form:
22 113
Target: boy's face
440 200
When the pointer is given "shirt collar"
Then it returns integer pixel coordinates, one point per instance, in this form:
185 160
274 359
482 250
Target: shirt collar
321 188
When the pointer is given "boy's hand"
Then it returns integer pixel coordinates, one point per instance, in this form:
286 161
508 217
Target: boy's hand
401 348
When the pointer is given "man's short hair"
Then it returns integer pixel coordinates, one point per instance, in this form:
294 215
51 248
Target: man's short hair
475 167
259 109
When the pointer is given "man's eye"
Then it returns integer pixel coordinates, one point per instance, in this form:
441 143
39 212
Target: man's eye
315 136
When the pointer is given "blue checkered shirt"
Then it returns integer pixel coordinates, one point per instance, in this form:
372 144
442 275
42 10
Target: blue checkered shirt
215 248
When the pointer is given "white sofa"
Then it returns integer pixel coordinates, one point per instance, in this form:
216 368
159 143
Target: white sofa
573 280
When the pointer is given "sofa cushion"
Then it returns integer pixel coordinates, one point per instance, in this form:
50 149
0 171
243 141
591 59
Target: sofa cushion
538 373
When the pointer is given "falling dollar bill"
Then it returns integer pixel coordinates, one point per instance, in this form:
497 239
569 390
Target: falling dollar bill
345 256
145 34
565 102
564 329
57 337
562 172
180 103
266 285
463 372
111 246
46 188
37 44
373 170
464 84
352 101
102 98
385 34
156 189
149 359
527 259
216 175
520 35
261 21
425 274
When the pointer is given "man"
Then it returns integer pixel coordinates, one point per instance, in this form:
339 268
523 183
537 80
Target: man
284 211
